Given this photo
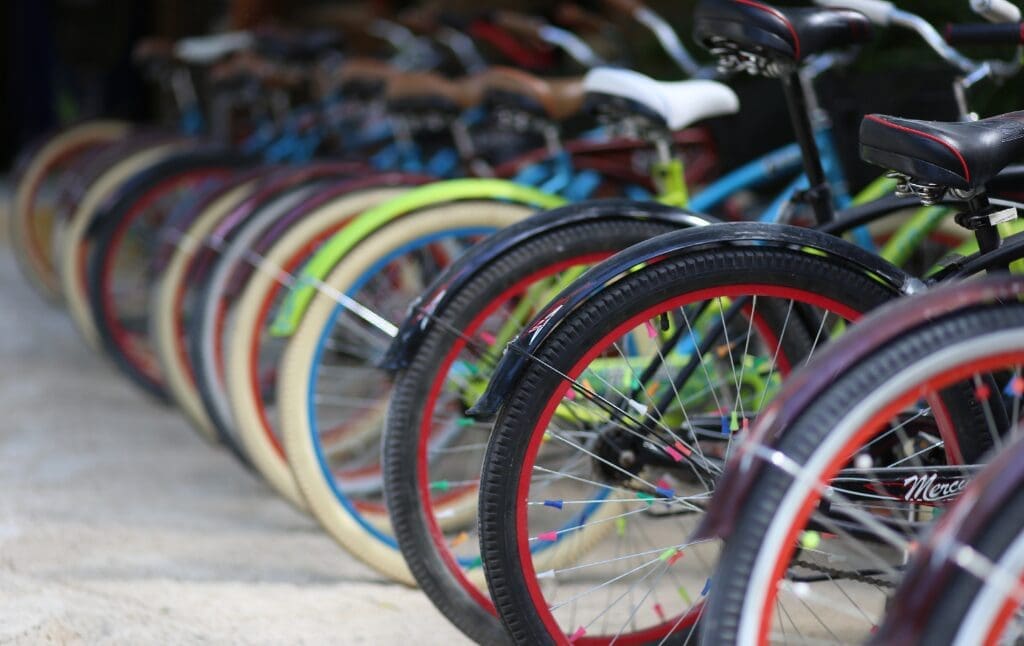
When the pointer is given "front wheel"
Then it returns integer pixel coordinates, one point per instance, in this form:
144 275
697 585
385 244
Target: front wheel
609 445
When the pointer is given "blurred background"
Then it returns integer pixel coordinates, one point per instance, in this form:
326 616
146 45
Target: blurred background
68 60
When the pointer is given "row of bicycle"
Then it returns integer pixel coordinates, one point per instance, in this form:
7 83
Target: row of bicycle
350 325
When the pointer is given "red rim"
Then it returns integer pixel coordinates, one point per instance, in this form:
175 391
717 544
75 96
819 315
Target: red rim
523 484
896 404
1006 612
422 465
137 353
254 349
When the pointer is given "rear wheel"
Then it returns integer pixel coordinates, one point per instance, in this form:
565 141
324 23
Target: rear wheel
609 445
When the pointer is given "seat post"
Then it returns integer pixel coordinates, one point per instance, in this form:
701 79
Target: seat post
818 194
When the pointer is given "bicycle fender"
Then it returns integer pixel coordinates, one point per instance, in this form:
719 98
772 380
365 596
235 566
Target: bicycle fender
324 260
430 305
875 330
934 563
660 249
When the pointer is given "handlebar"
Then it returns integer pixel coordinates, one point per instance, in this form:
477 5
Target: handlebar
996 10
884 13
985 34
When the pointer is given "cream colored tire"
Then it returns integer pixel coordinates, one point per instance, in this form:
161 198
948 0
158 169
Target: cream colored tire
41 270
295 372
256 438
163 313
73 250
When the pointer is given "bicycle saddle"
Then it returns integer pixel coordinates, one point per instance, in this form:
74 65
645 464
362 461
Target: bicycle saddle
788 34
677 104
556 99
963 155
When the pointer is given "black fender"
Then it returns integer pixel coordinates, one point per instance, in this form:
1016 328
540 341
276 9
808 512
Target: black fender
431 304
659 249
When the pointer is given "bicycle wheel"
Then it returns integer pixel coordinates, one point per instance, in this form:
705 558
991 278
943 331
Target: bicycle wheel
331 395
119 287
821 541
32 212
235 247
170 293
432 452
252 353
74 243
613 436
981 600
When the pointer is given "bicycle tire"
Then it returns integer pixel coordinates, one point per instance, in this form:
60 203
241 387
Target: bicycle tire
538 388
766 514
366 535
418 384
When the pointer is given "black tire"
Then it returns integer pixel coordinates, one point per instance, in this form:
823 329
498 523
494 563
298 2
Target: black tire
738 560
412 386
105 234
587 327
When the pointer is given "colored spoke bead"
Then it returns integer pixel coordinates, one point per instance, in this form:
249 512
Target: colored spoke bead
665 492
674 454
460 539
620 526
548 537
440 485
707 587
810 540
684 595
982 391
1015 387
578 635
682 448
557 504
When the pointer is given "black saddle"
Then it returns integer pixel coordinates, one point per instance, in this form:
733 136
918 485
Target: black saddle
788 34
962 155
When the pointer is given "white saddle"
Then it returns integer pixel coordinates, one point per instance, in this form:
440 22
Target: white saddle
204 50
679 103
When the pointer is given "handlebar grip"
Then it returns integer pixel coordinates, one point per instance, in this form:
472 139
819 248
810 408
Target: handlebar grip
999 11
878 12
985 34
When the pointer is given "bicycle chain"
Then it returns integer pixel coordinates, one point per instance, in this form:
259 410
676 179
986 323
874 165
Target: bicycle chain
846 574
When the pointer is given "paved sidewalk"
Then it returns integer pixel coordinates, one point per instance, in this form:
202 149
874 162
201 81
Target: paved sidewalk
119 525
